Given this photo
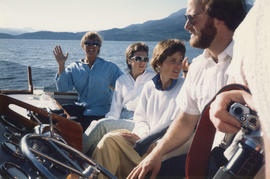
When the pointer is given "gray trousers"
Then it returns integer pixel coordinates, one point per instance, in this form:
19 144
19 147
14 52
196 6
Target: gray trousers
98 129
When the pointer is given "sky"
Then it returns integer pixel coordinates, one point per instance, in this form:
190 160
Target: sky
82 15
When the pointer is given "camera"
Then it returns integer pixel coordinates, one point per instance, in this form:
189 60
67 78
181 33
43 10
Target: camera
247 117
248 158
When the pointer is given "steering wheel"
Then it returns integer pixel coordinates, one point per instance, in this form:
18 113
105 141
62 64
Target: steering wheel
55 159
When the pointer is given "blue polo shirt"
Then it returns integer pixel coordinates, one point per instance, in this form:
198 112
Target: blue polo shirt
92 84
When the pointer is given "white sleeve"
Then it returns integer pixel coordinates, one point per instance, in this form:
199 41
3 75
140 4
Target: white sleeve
186 99
117 102
142 127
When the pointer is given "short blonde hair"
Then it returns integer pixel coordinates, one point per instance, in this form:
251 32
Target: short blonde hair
91 36
164 49
135 47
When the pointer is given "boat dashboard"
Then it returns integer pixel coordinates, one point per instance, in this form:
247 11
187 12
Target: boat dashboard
40 150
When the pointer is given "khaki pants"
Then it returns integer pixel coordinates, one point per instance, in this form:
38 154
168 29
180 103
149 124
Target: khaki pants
115 154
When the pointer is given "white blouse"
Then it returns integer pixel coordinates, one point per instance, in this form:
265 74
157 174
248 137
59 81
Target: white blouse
126 94
155 108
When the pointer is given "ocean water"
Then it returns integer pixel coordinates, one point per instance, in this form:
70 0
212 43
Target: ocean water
17 54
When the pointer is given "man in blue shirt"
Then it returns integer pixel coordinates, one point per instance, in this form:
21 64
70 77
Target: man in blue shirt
92 77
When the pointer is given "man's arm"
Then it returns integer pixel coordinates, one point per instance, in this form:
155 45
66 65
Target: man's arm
177 134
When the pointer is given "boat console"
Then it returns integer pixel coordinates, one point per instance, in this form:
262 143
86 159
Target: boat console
32 149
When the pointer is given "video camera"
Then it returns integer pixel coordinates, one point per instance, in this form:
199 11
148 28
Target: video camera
248 158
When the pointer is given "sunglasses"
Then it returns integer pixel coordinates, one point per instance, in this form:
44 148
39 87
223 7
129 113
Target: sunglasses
96 44
140 59
190 18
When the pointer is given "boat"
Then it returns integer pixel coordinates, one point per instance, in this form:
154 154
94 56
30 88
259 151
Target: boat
36 142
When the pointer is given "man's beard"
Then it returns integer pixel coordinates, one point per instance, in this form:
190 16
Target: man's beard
205 36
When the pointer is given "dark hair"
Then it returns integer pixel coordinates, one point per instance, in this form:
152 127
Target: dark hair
135 47
164 49
232 12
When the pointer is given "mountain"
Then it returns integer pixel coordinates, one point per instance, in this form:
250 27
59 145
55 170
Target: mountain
153 30
13 31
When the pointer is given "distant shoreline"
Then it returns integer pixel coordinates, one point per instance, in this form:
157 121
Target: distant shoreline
152 30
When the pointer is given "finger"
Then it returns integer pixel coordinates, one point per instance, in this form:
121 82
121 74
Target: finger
225 127
219 108
154 174
57 50
125 133
54 52
220 116
60 49
66 55
128 134
185 60
143 172
223 121
134 173
131 173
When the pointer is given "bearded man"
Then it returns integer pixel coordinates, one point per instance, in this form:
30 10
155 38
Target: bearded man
211 24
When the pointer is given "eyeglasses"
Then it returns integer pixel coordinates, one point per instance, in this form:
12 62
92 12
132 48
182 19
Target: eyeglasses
140 59
190 18
96 44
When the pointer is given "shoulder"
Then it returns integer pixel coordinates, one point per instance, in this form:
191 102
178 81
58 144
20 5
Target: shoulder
107 62
198 64
149 72
109 66
198 61
149 86
146 76
75 65
180 81
124 77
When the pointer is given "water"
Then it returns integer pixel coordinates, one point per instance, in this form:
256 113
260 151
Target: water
17 54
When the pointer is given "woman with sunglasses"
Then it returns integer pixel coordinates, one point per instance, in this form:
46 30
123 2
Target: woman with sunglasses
156 107
92 77
125 98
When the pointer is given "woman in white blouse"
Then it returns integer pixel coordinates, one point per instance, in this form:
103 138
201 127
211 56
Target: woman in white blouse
125 98
155 108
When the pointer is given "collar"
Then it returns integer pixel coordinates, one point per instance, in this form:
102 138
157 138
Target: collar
227 52
158 85
96 61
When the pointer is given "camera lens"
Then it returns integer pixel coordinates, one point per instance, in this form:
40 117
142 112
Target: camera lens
253 121
238 111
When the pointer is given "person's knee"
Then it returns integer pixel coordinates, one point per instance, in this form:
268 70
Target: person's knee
107 138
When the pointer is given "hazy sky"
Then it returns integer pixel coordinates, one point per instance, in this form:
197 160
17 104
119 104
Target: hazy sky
83 15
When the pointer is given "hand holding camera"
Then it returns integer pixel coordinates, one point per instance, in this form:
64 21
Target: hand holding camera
248 158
